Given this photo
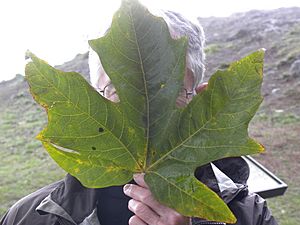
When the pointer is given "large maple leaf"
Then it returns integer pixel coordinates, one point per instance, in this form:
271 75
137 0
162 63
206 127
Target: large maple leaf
103 143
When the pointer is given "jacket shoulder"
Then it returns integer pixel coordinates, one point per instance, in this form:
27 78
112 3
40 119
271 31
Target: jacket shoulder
23 211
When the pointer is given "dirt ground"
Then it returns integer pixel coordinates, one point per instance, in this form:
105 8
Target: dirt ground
282 157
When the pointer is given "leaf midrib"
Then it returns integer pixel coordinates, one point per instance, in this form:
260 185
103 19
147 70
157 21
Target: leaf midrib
173 149
147 153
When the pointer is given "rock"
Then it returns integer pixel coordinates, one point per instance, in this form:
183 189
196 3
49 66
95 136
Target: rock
275 90
242 33
295 69
279 110
79 64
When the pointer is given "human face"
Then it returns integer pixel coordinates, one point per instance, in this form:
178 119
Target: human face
185 96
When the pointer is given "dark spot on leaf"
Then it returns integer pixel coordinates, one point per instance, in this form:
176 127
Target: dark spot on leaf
193 189
100 129
94 148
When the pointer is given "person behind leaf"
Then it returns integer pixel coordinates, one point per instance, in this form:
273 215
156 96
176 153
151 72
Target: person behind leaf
67 202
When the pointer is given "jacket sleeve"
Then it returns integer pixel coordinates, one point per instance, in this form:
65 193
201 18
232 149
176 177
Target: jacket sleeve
23 211
252 209
3 220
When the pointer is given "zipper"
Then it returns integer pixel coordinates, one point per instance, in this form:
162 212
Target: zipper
207 223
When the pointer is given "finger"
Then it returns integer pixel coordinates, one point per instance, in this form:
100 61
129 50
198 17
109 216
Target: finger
135 220
139 179
145 196
201 87
143 212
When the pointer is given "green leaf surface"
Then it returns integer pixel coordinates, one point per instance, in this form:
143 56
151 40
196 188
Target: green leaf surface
103 143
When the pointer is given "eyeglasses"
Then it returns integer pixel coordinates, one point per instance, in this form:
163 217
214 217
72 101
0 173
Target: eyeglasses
108 90
188 94
185 96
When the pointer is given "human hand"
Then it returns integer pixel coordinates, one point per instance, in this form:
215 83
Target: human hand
147 210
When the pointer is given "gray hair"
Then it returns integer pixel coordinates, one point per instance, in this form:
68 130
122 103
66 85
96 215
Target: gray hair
178 26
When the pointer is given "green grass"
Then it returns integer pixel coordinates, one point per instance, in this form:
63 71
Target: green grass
286 208
280 136
24 164
278 118
212 48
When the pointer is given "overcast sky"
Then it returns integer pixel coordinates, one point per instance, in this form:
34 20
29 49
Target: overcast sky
57 30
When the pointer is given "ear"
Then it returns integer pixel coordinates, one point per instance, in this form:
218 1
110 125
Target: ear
201 87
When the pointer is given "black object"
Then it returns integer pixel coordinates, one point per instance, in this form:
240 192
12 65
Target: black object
262 181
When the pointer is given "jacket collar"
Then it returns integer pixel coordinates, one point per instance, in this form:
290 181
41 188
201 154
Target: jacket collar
228 190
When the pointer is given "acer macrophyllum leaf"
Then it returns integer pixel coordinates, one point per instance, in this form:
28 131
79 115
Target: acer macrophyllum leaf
103 143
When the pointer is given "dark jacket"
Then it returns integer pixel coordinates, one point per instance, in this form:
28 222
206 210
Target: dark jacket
67 202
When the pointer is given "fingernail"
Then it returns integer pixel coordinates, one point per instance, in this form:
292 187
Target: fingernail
136 175
126 188
131 204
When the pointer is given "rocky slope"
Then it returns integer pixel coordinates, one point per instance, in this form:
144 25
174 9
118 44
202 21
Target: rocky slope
278 31
79 64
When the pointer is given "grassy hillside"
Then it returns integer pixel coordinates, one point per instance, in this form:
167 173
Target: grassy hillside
24 165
